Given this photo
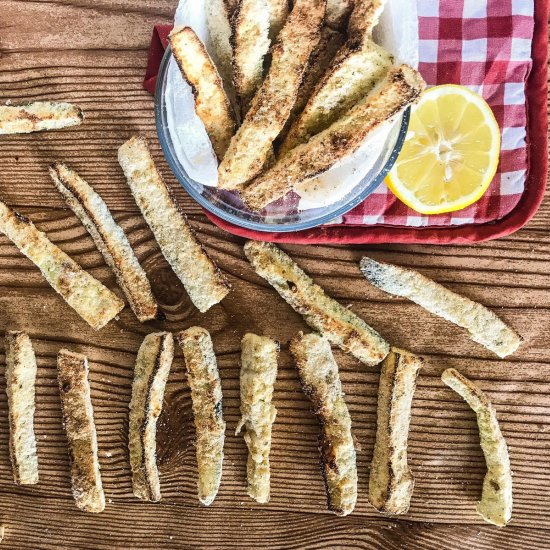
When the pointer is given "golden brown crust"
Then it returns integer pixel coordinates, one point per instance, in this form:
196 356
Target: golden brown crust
278 13
354 72
274 100
206 394
94 302
391 482
364 17
402 87
321 383
338 13
38 116
341 326
20 389
109 239
78 421
200 276
258 374
250 42
482 324
151 371
211 102
496 501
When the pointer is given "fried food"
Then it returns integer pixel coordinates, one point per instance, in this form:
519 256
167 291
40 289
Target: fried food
338 13
206 394
151 371
273 102
391 482
250 41
278 13
258 374
483 325
95 303
78 421
400 89
109 239
211 102
202 280
20 388
38 116
495 505
341 326
321 383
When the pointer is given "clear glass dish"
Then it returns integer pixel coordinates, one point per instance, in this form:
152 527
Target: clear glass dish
284 215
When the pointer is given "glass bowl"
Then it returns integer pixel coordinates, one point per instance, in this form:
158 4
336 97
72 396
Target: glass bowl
284 215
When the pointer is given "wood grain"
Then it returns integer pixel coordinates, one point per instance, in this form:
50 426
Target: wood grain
94 53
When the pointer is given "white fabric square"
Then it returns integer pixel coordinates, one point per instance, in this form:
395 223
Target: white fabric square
523 7
428 50
521 49
474 9
371 220
461 221
417 221
474 50
514 93
428 8
382 189
513 138
512 183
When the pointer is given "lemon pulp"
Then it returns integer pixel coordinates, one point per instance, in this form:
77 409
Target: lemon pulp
450 154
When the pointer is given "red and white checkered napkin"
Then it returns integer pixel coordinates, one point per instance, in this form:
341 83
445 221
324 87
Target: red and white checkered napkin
485 45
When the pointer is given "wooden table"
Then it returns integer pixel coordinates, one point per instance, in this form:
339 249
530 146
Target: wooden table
93 52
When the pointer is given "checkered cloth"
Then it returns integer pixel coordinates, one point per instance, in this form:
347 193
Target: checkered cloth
485 45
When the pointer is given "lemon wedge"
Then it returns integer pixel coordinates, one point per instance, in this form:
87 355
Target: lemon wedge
450 154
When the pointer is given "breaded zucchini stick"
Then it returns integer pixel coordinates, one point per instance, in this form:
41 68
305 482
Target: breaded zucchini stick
355 70
20 388
274 100
495 505
483 325
78 420
400 89
391 482
206 394
94 302
321 57
109 238
338 13
321 383
250 42
218 20
38 116
151 371
258 374
211 102
278 12
202 280
342 327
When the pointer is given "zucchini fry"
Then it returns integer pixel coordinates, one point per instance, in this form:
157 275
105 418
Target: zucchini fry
211 102
20 388
151 371
338 13
354 71
401 88
78 420
391 483
109 239
321 383
495 505
272 105
278 13
250 42
94 302
202 280
38 116
258 374
206 394
342 327
483 325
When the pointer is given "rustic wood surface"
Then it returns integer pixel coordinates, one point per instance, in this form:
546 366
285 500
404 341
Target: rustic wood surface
93 52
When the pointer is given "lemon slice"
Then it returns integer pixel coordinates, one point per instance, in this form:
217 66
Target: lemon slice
451 152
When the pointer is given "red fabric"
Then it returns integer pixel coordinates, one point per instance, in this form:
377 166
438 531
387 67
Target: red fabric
522 207
159 43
